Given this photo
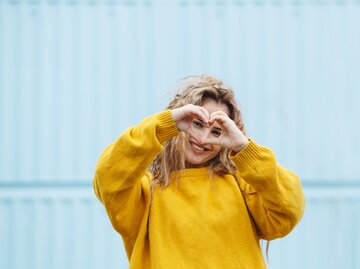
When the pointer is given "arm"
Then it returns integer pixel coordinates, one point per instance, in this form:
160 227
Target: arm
121 182
273 194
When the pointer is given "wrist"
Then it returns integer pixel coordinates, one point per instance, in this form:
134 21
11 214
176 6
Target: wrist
175 114
240 146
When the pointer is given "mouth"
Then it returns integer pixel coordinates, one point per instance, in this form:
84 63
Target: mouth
197 148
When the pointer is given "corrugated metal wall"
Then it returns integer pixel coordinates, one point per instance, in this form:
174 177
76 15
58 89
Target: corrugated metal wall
75 74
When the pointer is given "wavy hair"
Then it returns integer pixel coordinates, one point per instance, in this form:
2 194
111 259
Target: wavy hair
195 90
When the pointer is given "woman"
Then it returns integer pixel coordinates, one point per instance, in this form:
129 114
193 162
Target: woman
186 188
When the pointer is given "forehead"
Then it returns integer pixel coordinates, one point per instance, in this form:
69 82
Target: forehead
213 106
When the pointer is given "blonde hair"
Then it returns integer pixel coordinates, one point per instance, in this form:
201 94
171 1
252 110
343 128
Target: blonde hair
194 90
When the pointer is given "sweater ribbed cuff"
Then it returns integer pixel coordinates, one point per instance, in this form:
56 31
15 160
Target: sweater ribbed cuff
166 128
247 156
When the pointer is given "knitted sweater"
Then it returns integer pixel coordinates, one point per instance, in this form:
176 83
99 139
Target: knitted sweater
197 221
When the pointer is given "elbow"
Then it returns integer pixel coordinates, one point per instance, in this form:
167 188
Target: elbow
96 188
278 227
280 224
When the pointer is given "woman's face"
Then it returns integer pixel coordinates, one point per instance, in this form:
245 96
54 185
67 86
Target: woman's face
198 154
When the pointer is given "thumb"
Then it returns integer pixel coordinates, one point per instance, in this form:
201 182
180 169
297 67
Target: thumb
212 140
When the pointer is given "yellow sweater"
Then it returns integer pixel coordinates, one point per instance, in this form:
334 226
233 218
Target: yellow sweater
195 222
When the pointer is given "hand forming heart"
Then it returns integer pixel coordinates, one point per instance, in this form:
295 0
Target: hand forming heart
216 128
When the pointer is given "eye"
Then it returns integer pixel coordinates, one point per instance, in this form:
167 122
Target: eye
197 123
216 132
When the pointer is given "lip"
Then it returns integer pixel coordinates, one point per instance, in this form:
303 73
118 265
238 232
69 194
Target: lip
197 148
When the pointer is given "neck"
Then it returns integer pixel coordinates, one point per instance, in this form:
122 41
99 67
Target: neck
189 165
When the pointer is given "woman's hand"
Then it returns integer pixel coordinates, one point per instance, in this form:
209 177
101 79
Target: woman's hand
187 120
184 115
231 136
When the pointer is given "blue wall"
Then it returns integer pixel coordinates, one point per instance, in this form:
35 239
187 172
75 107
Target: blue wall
75 74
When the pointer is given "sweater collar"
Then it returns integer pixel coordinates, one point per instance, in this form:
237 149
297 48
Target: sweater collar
189 172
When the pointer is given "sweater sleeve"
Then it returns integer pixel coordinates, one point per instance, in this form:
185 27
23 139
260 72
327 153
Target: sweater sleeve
272 193
121 180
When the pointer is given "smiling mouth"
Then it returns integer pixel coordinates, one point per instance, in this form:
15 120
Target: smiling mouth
197 148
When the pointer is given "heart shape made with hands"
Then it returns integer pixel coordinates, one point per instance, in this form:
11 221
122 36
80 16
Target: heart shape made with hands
205 133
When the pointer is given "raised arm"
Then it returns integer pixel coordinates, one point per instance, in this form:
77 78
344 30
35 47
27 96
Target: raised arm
273 193
121 182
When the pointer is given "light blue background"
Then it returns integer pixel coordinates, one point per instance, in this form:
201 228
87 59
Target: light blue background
75 74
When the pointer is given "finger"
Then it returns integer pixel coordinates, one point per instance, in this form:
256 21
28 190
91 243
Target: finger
205 112
221 119
198 111
219 112
213 141
192 133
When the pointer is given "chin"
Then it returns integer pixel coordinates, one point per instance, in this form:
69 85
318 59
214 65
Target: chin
193 162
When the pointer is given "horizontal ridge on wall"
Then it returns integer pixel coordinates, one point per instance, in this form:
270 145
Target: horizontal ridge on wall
184 2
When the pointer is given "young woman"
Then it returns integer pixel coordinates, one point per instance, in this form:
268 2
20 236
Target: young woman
186 188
